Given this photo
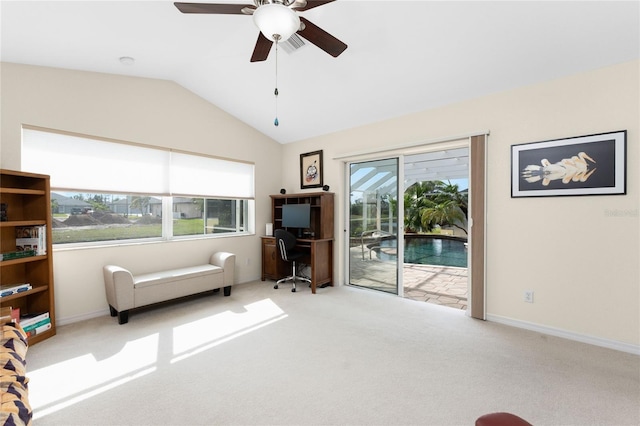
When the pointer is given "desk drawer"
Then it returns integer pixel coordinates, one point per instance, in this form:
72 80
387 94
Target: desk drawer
273 267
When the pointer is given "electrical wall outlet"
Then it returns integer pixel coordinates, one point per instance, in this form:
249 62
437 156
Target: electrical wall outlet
528 296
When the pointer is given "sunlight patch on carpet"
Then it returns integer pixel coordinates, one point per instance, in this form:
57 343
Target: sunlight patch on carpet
66 383
61 385
203 334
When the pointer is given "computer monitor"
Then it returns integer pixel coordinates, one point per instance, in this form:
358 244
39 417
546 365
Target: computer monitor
296 215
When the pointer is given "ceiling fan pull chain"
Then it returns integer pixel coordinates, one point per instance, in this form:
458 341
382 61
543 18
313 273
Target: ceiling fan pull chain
275 92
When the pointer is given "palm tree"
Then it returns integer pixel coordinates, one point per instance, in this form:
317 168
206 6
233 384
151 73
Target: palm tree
417 198
447 213
450 191
432 203
140 203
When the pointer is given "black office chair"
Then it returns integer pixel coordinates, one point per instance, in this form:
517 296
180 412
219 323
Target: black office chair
286 243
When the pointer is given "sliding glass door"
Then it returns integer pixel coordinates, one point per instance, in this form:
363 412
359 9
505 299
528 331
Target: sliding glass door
374 253
433 197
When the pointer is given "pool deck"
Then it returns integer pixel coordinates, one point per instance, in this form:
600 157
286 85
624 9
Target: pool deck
442 285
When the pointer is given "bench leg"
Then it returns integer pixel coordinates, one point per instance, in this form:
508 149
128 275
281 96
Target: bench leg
123 317
227 290
112 311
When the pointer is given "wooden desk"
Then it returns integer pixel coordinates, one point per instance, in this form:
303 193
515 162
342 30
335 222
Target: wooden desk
320 259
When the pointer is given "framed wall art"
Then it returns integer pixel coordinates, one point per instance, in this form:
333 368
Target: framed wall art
311 170
580 165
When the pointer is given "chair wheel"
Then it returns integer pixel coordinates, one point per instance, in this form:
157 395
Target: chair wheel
293 290
275 286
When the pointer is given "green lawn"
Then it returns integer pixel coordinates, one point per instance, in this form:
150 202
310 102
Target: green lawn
133 231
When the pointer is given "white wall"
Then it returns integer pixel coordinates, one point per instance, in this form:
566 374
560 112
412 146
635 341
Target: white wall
146 111
582 263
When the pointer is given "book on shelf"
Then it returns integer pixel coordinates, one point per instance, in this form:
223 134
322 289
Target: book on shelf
32 238
34 318
36 325
17 254
10 289
38 330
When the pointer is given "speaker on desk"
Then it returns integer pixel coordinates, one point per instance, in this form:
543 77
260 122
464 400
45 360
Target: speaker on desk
283 191
269 230
325 188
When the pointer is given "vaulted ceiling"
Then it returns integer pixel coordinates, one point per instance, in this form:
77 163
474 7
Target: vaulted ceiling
402 56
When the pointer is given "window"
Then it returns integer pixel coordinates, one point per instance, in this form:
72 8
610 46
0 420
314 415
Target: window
88 218
194 216
106 191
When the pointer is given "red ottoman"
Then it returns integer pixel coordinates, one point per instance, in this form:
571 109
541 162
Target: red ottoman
501 419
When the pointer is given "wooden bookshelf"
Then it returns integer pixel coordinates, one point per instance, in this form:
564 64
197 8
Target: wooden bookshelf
28 203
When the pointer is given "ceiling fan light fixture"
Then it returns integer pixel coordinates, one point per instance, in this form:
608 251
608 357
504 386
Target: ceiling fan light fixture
276 22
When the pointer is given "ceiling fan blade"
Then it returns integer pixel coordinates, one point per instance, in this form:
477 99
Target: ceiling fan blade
321 38
214 8
313 3
262 49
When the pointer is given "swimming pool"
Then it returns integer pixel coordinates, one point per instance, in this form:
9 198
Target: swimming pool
427 250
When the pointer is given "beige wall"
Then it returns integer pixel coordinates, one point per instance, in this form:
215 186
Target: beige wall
581 262
146 111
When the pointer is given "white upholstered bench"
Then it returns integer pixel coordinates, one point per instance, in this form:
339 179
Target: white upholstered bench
126 291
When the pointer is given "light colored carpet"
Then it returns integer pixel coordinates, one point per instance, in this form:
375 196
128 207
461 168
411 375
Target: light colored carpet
344 356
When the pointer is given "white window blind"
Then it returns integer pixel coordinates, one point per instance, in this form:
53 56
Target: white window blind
75 162
210 177
83 163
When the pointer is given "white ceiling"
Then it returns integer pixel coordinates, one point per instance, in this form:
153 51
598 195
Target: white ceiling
403 56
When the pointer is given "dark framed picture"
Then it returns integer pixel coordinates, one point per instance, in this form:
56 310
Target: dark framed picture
311 170
580 165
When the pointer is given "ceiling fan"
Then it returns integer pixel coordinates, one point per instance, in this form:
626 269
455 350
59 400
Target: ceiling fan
277 21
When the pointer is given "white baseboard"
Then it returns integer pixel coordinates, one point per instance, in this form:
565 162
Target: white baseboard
83 317
583 338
